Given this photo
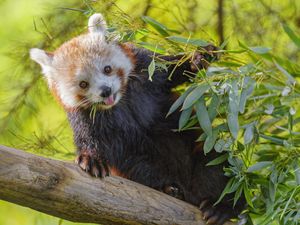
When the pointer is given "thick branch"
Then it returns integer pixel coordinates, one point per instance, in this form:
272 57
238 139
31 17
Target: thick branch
61 189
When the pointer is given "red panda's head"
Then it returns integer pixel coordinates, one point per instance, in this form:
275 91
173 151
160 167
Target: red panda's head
86 70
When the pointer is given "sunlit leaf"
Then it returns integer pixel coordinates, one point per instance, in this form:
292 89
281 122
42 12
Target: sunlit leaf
151 69
187 41
291 34
160 28
260 50
258 166
153 48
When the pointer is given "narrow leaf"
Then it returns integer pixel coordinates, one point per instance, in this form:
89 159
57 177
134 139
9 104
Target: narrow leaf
187 41
180 100
194 96
213 107
260 50
247 195
210 142
259 166
232 116
218 160
246 92
184 117
290 79
249 134
291 34
203 116
160 28
151 69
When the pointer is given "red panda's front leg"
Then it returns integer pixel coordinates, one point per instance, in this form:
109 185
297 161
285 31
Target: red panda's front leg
92 162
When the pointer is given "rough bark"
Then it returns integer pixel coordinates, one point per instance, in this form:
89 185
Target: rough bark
61 189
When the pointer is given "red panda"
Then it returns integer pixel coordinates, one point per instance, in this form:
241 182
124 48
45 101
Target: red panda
129 134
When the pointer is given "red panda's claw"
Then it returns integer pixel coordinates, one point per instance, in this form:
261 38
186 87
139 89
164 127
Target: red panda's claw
92 164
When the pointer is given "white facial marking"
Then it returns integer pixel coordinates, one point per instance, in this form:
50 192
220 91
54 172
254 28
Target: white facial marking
83 59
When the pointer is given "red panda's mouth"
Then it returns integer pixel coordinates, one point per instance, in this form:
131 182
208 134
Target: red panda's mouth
110 100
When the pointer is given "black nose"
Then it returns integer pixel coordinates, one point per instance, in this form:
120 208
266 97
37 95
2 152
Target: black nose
105 91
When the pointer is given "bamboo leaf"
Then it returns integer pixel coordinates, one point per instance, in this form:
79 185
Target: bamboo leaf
218 160
259 166
292 35
184 117
160 28
232 116
210 142
290 79
180 100
260 50
246 92
203 116
153 48
213 107
151 69
247 195
187 41
249 134
194 96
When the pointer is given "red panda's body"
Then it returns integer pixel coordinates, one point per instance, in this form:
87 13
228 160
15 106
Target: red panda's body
129 134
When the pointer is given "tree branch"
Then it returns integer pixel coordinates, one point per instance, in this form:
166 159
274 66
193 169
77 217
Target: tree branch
62 189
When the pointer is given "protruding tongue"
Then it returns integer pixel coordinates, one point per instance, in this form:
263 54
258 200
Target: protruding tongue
109 100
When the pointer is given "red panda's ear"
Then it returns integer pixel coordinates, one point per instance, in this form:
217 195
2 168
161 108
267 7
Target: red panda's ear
43 58
97 24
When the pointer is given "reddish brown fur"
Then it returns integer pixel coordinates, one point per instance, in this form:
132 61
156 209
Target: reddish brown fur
115 172
127 49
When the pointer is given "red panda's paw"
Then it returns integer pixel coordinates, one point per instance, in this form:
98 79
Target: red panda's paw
92 163
174 191
202 59
215 215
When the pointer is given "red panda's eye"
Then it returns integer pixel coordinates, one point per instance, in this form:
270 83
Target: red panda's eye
107 69
83 84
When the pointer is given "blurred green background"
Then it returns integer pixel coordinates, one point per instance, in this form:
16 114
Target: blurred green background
30 119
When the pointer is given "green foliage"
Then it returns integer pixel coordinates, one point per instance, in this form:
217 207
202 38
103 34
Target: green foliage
247 103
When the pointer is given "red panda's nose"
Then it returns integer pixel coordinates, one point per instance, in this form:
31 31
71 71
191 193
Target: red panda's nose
105 91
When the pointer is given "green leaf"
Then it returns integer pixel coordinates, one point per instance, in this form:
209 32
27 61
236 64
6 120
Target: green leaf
237 194
290 79
291 34
194 96
184 117
151 69
230 187
246 92
203 116
275 140
180 100
247 195
218 160
153 48
160 28
260 50
202 137
249 134
213 107
233 108
210 142
220 145
259 166
187 41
